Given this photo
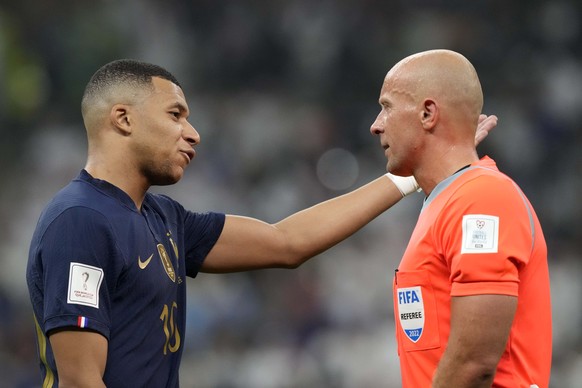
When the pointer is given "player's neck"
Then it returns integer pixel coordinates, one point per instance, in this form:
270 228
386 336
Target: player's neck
134 185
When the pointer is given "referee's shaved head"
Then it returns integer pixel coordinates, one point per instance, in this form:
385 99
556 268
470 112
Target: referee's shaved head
121 81
445 74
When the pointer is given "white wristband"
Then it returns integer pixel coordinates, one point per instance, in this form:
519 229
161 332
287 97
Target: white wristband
405 184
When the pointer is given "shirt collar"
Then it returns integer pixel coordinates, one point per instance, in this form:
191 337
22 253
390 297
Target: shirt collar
107 188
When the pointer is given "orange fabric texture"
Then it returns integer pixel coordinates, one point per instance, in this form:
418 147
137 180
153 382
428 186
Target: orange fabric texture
477 234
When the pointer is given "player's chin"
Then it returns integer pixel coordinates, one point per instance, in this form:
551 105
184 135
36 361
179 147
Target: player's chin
177 171
177 175
170 177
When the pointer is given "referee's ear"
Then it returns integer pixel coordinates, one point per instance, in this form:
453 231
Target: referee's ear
429 114
120 119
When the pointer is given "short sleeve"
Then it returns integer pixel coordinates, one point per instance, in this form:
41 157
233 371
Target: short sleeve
201 231
76 253
486 236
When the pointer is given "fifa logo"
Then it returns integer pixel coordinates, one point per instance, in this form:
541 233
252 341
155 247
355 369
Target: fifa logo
411 312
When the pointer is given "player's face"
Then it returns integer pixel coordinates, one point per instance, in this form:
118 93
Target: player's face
164 139
397 128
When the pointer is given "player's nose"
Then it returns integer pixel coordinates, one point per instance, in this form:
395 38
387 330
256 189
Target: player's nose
190 134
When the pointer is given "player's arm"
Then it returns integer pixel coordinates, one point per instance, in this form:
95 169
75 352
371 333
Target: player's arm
480 327
246 243
80 356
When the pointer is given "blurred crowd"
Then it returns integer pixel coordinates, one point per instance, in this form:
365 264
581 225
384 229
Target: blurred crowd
283 94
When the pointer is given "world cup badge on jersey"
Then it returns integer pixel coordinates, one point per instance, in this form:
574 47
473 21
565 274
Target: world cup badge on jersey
480 233
411 311
167 262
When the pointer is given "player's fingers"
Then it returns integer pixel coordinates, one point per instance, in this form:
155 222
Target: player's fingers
480 136
486 124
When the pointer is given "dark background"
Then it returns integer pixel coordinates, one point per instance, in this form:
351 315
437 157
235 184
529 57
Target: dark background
283 94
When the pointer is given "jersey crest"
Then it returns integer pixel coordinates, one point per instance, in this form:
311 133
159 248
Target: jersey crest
167 262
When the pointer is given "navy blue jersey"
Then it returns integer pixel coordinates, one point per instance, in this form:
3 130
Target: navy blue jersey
98 263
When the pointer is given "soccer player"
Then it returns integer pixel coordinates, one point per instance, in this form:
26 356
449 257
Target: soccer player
471 293
108 260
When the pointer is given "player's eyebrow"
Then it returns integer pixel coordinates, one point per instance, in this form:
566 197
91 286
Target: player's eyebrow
181 107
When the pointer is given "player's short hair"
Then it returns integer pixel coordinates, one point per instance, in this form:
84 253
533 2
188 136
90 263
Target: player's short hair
122 72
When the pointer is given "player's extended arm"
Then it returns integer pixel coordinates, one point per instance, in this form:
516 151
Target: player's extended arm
480 326
80 357
247 243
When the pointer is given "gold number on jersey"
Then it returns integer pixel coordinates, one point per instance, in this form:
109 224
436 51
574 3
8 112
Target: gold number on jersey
170 329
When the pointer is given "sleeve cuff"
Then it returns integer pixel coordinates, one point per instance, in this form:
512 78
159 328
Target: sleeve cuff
480 288
79 322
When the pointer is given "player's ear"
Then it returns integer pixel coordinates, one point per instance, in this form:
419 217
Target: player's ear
429 114
120 118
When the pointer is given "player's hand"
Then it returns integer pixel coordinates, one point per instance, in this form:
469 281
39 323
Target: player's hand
484 126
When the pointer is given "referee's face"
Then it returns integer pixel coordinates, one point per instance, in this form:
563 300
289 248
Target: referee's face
164 139
397 126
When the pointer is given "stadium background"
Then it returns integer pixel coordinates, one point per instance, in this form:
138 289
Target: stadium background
283 94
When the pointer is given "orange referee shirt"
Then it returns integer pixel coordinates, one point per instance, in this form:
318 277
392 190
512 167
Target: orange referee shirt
477 234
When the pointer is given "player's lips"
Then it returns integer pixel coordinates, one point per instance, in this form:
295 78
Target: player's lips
189 154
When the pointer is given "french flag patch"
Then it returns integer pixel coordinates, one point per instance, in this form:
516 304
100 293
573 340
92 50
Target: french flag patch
82 321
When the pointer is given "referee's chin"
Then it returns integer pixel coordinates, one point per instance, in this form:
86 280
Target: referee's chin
395 169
